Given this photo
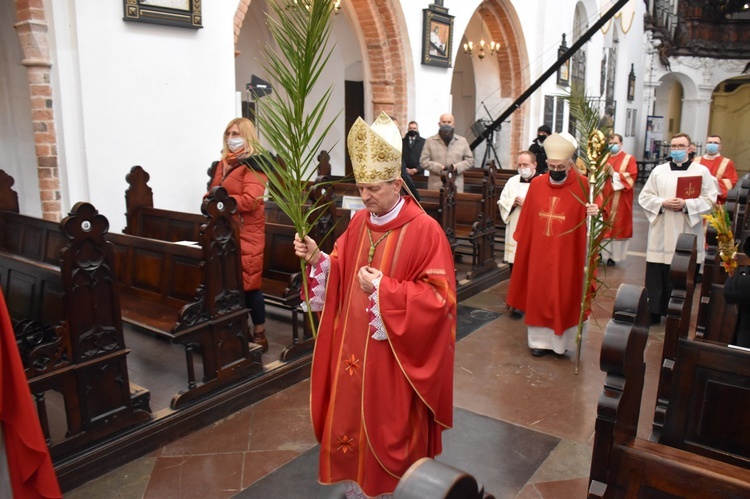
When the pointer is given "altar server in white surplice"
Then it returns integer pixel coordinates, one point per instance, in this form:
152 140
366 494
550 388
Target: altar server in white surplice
676 196
512 197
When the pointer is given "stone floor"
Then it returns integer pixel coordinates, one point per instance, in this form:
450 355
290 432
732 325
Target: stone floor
495 377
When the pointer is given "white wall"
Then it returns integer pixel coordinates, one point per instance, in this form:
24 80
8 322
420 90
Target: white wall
139 94
17 156
345 64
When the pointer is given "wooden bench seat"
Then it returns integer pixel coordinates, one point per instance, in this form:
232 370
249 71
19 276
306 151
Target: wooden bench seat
67 325
699 445
281 277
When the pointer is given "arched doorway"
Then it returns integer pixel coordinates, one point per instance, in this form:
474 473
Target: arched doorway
367 68
668 104
483 88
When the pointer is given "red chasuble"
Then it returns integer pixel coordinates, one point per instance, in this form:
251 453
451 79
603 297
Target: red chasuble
547 277
29 463
379 406
724 171
620 203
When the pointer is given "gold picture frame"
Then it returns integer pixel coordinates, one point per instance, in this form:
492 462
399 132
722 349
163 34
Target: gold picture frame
178 13
437 37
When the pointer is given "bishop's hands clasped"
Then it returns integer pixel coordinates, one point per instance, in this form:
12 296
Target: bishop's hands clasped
307 249
366 276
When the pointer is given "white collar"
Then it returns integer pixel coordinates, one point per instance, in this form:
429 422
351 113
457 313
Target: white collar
387 217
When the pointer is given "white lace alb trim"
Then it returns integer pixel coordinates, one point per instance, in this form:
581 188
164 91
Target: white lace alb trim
319 274
377 322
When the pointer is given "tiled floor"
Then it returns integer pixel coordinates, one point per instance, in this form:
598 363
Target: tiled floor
495 376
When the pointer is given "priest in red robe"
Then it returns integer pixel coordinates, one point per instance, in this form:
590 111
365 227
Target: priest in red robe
721 168
547 278
382 373
618 191
24 456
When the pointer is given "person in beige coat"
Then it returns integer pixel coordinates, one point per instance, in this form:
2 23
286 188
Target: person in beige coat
445 149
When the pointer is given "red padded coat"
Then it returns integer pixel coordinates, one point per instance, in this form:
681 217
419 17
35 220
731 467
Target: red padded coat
247 184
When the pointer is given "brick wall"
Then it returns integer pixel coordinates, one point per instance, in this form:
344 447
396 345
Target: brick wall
31 27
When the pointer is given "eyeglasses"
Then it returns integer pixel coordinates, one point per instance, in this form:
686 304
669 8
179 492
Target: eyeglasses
678 147
557 168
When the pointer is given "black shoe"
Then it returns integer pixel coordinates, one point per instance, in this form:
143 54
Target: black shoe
538 352
655 319
610 262
515 313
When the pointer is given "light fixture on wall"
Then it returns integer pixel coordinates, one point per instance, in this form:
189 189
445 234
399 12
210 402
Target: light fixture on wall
482 48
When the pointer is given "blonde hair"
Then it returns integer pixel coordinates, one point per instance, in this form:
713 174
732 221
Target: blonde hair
247 131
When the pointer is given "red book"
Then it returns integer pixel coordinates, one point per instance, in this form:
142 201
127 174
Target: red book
688 187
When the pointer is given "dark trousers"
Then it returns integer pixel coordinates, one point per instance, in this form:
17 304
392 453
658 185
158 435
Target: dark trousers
657 285
254 301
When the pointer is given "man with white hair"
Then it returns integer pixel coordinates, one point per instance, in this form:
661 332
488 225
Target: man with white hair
547 279
382 372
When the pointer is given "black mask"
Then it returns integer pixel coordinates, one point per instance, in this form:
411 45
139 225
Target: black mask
558 176
412 133
541 138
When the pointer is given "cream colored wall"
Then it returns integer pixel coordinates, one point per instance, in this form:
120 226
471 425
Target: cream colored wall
730 114
673 119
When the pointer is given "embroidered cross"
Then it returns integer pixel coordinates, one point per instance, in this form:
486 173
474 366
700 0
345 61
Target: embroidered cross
346 444
551 216
352 364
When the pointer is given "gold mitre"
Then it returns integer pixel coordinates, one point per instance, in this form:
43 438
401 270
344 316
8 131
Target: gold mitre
375 150
558 148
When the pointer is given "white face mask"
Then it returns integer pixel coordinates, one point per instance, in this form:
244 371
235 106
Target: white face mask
236 144
526 172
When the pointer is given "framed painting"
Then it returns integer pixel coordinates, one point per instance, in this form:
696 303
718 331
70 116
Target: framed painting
437 37
179 13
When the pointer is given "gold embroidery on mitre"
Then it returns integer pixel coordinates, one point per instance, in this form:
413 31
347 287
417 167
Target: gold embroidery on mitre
375 150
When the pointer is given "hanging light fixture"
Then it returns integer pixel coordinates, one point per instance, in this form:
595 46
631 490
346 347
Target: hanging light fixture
336 5
482 48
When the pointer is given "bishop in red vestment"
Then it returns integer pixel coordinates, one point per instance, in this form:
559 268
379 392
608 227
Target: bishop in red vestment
618 191
382 374
26 455
547 278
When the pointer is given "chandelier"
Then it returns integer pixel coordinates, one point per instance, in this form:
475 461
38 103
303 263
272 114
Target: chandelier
482 48
336 5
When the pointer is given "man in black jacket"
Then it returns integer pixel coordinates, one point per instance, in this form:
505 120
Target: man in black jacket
537 148
410 152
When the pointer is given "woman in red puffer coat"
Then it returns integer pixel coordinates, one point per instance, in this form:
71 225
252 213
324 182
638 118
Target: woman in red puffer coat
240 174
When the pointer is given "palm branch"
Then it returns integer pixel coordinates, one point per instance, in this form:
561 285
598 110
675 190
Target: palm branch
292 124
595 133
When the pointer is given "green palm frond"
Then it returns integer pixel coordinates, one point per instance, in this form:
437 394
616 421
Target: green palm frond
292 123
594 132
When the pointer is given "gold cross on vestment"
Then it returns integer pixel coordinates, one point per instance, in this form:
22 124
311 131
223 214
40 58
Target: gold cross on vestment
551 216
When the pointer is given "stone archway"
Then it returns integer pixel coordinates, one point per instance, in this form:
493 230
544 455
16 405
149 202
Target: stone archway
513 66
31 26
378 23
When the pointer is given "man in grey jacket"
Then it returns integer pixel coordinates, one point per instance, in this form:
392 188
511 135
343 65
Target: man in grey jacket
445 149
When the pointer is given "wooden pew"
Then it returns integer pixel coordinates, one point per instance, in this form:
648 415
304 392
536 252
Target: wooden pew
67 324
475 224
192 295
625 466
473 179
281 272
